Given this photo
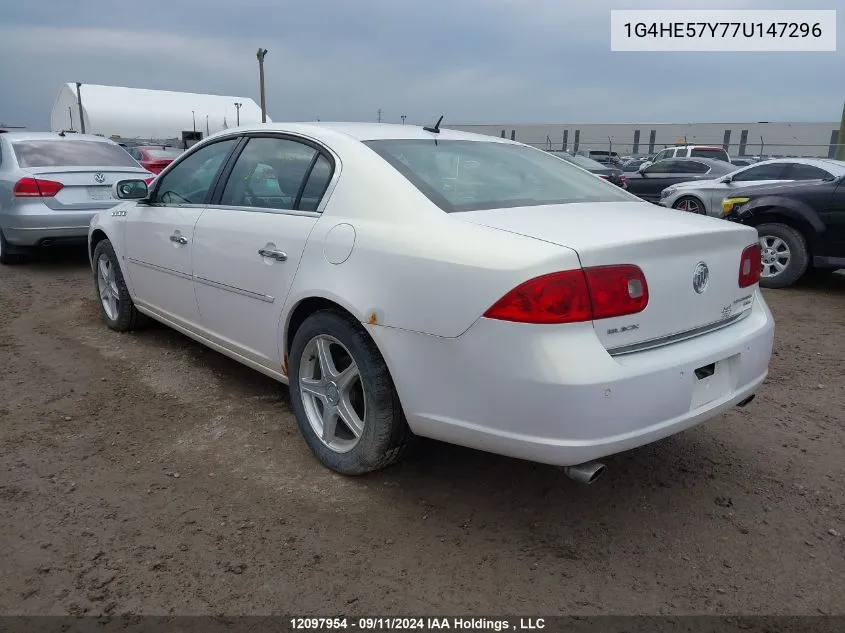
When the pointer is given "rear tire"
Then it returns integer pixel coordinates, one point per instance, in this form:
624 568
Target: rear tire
349 414
7 255
690 204
116 306
785 255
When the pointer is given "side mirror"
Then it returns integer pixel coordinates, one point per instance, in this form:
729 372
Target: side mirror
643 167
129 189
726 180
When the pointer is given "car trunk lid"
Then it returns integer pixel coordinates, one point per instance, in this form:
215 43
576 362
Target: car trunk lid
84 187
668 246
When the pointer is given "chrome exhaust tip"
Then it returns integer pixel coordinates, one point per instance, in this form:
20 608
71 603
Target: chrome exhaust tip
586 473
747 400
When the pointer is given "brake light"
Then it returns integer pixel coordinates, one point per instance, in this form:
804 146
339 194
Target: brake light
573 296
749 265
36 188
616 290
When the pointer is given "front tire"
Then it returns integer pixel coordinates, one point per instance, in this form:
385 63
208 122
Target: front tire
785 256
343 397
116 306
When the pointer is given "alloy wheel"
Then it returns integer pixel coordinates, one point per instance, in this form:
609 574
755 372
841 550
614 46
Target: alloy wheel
689 205
775 255
332 393
107 287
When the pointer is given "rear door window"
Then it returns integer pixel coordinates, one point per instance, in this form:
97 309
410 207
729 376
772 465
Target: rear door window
71 153
775 171
800 171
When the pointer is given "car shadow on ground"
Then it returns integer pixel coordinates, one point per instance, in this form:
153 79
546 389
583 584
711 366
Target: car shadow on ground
58 257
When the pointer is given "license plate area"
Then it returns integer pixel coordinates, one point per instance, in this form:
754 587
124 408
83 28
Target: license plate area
713 381
99 193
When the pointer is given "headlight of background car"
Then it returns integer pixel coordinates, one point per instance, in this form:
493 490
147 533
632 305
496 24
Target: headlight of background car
733 204
668 192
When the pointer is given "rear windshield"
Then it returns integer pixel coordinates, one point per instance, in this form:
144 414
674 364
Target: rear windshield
704 152
475 175
71 153
162 153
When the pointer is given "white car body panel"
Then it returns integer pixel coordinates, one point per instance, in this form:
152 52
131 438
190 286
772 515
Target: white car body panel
232 280
160 268
419 280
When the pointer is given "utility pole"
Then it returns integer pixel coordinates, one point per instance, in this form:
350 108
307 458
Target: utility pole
379 115
79 102
207 133
260 54
403 117
840 148
70 113
194 117
238 110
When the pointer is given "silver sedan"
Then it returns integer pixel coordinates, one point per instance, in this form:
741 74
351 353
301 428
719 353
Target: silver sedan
51 184
705 196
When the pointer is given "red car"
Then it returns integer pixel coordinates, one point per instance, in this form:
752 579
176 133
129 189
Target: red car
154 158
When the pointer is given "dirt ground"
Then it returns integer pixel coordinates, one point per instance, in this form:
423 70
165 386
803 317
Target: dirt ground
144 474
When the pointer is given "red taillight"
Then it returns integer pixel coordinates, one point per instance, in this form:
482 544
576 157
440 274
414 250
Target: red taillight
574 296
603 176
616 290
36 188
621 178
749 266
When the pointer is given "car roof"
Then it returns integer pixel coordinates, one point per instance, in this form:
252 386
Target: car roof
55 136
322 130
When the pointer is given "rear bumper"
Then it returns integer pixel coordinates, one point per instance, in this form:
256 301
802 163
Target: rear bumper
31 225
554 395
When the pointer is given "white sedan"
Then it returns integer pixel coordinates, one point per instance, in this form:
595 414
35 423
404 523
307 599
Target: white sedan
417 281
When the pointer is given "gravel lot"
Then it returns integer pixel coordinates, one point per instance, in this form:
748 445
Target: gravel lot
143 474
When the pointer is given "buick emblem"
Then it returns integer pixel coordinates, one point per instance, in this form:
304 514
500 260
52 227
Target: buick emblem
700 277
99 178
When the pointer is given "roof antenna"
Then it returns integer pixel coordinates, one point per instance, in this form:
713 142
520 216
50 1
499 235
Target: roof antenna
436 128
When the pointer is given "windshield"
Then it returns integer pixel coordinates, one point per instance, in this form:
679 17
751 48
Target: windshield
475 175
71 153
583 161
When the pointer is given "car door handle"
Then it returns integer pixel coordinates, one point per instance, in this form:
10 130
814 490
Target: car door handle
279 256
179 239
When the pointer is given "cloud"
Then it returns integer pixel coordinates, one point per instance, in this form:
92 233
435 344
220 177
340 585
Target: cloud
508 61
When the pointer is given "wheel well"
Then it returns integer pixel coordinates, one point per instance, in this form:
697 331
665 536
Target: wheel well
96 237
302 311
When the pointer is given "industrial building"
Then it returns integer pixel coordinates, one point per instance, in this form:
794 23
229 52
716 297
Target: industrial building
135 113
739 139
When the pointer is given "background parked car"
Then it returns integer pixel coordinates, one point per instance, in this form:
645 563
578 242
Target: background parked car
611 174
633 164
801 226
154 158
706 196
692 151
650 180
605 157
51 184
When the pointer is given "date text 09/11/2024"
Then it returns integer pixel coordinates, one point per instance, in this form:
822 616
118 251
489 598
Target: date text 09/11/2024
415 624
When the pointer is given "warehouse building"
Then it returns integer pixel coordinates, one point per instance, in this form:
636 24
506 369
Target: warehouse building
739 139
135 113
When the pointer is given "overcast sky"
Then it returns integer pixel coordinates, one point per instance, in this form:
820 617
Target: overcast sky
476 61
